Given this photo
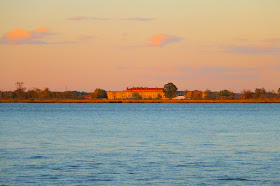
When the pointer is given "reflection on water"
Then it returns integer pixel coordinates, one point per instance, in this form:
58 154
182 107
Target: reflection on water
134 144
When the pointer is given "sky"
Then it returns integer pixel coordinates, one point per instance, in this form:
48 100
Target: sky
115 44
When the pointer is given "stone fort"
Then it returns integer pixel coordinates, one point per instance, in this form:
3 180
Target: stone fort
134 92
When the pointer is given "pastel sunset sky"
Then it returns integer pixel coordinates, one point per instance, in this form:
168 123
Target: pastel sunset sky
114 44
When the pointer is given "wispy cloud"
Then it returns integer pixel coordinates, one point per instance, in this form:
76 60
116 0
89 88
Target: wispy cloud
35 37
172 68
157 40
269 46
161 40
138 19
250 49
159 68
85 37
85 18
231 76
177 68
224 69
92 18
77 18
241 39
175 72
22 36
272 40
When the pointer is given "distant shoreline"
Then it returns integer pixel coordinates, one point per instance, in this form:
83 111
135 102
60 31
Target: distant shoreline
139 101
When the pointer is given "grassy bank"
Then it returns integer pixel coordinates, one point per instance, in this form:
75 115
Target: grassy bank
138 101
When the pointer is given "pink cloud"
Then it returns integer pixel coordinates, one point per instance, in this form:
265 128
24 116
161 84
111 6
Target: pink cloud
22 36
16 36
160 40
41 32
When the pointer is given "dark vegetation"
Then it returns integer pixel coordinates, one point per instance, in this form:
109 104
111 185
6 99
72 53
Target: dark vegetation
170 91
35 93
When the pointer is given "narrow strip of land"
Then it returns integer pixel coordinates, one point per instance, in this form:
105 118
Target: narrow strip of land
137 101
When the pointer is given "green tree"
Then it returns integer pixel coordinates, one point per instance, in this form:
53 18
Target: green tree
247 94
170 90
53 95
159 96
209 94
136 95
278 96
196 94
59 95
38 92
272 94
68 94
226 94
260 93
45 93
31 94
99 94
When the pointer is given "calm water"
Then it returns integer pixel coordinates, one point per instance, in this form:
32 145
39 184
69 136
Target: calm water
139 144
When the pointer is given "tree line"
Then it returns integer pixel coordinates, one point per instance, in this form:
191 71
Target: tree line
259 93
21 93
170 91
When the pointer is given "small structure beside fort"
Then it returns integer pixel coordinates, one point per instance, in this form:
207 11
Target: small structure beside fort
137 92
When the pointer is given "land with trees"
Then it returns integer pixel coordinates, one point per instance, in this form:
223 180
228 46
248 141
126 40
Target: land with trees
36 95
99 94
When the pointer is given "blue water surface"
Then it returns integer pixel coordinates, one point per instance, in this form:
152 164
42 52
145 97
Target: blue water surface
139 144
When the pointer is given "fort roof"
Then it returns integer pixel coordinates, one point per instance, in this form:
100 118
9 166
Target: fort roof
142 89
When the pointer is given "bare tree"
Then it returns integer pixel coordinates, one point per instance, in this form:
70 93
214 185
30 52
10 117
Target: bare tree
20 90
